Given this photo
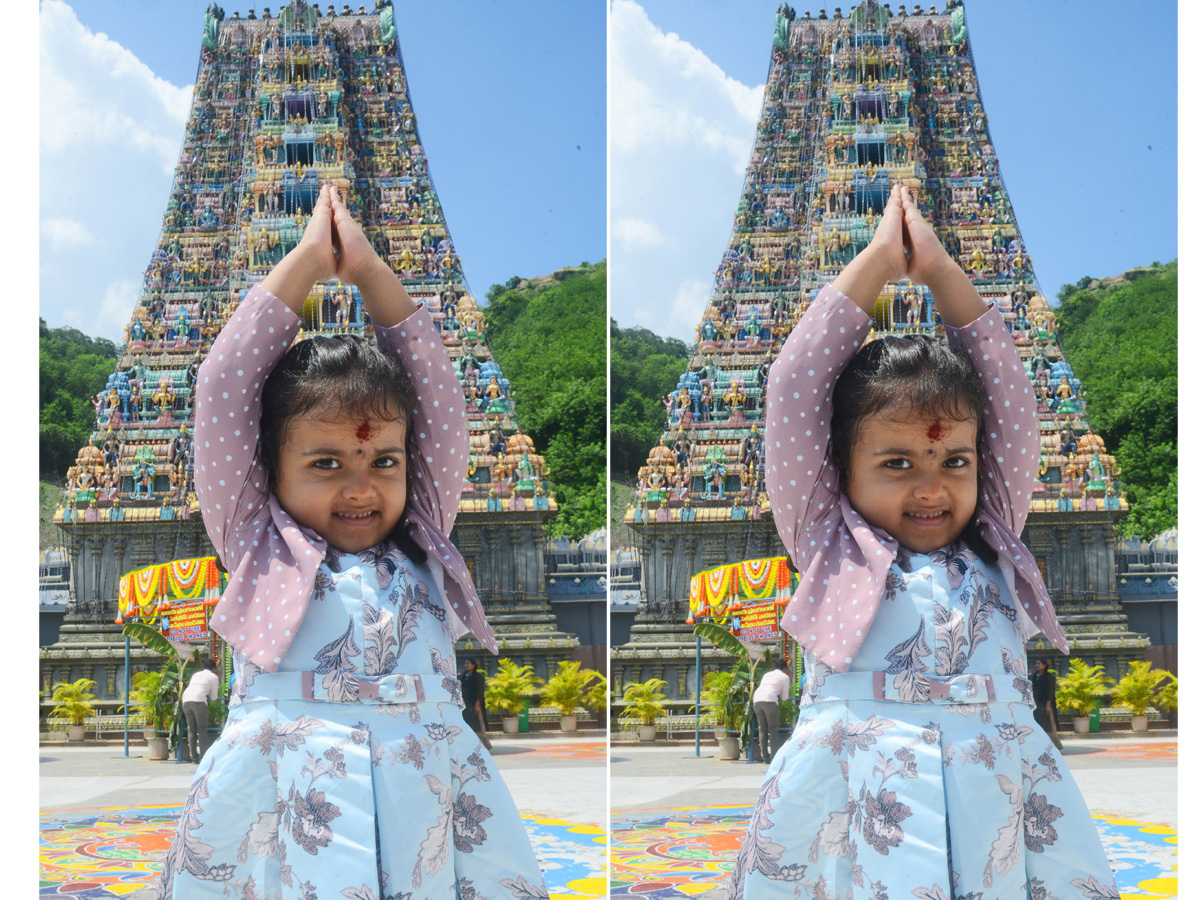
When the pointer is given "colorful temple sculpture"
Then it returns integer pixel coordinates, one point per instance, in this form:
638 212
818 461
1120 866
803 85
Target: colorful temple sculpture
853 105
283 103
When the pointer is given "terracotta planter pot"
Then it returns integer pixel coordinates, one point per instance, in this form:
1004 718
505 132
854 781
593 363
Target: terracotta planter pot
1139 723
729 748
1081 724
510 724
75 732
646 732
568 723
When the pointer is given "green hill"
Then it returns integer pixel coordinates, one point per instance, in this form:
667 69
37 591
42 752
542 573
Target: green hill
1120 335
548 335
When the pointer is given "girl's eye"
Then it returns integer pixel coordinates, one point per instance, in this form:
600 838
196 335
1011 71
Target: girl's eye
326 463
956 462
386 462
897 464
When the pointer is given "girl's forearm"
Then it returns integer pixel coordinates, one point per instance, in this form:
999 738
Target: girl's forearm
957 301
293 278
864 278
384 297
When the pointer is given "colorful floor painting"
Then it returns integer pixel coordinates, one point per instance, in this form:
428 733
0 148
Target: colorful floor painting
108 853
583 750
1165 750
670 854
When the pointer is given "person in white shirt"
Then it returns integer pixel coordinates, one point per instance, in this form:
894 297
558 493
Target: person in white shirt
773 687
202 688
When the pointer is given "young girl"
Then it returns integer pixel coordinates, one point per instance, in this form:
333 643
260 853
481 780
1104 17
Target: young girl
899 474
329 474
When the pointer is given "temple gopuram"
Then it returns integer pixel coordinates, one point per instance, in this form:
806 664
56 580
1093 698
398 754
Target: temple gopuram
283 103
853 105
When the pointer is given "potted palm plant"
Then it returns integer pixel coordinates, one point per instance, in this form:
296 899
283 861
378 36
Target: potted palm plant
1079 690
643 705
1168 698
154 696
565 691
1136 691
597 700
509 690
73 702
728 711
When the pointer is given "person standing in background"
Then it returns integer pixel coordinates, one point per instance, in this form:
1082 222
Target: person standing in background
1045 699
201 688
773 687
473 688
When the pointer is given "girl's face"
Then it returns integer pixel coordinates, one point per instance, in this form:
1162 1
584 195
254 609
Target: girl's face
917 479
344 477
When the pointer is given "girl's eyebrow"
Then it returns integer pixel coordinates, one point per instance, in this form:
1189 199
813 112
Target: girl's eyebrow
328 451
908 451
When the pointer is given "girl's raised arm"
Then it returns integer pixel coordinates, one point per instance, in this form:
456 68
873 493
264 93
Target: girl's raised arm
440 445
1011 437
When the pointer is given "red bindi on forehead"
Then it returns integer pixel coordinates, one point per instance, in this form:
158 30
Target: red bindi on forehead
364 431
935 432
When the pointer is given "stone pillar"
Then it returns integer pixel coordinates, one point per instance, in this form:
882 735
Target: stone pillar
668 550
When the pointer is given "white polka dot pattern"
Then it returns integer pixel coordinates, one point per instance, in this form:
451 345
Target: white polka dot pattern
842 560
273 561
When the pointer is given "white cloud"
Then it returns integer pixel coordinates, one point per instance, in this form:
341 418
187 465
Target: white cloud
110 133
637 234
66 233
667 91
680 134
682 314
109 317
94 92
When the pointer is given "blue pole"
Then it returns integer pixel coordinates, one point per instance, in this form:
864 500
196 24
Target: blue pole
697 696
127 695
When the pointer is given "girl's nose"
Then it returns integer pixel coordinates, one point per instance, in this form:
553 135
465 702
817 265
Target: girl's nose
930 487
357 485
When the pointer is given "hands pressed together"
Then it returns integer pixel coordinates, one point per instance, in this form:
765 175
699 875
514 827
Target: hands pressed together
908 243
335 246
906 246
334 243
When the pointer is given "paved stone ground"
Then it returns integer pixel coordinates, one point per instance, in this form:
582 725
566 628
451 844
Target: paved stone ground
106 820
677 821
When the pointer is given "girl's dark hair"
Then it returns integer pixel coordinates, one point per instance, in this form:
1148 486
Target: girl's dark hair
346 375
905 376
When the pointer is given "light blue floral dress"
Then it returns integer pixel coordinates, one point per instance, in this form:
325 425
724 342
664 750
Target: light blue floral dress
921 771
350 771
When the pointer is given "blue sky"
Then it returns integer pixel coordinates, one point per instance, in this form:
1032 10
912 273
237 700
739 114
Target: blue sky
510 104
1081 100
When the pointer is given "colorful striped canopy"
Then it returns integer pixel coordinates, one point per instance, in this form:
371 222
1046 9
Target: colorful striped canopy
150 591
717 592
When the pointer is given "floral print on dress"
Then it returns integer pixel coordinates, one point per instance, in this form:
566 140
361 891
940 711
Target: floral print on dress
279 801
870 797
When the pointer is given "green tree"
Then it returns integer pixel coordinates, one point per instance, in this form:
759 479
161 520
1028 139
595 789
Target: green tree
643 368
72 368
548 337
1121 339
